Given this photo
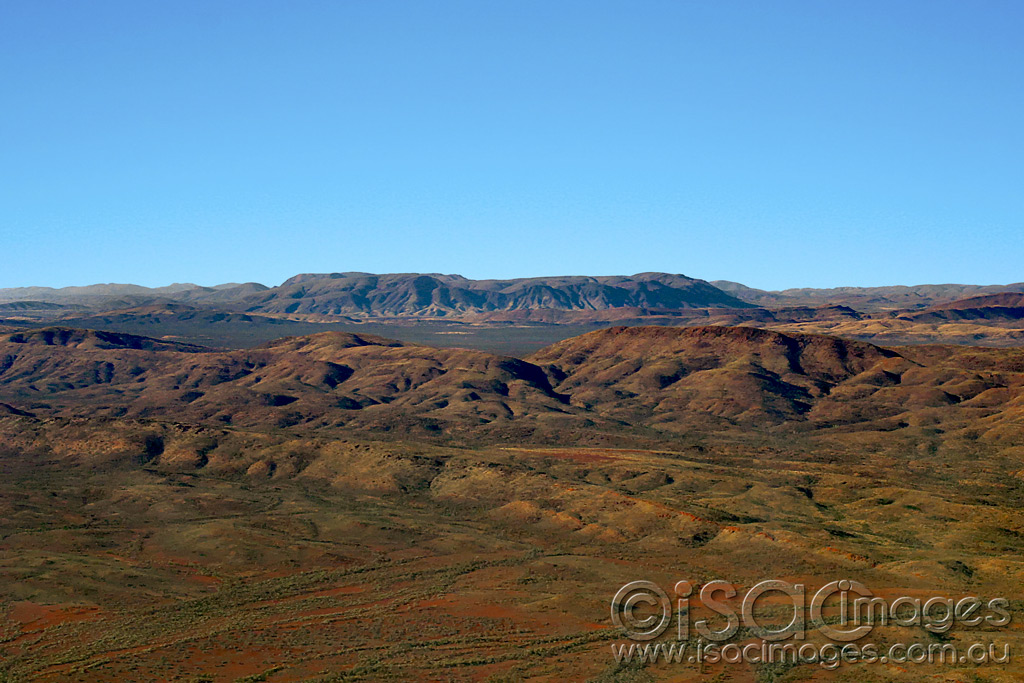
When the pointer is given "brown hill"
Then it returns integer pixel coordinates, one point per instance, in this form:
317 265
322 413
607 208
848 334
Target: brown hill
326 379
1004 300
195 324
635 315
169 315
36 307
92 339
870 299
671 376
899 331
1008 306
667 379
713 377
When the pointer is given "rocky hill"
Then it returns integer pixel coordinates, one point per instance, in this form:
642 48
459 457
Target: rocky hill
672 380
1008 306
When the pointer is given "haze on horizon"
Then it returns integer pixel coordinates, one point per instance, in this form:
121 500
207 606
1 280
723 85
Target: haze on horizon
185 285
795 144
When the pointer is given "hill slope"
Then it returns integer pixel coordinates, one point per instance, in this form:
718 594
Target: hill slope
672 380
702 378
1008 306
326 379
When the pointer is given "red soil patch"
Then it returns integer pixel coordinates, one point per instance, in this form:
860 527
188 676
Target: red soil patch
35 617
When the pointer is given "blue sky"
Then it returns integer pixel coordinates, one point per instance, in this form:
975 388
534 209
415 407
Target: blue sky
779 144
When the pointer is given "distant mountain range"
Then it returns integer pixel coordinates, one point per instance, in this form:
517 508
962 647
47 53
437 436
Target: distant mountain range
434 295
870 299
443 295
126 295
404 294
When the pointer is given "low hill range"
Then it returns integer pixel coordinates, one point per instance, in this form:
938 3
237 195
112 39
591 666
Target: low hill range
1008 306
656 379
867 299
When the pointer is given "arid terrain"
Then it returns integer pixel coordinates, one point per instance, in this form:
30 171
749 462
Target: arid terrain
511 342
197 489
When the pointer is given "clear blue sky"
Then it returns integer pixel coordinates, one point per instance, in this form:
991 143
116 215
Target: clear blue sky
779 144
